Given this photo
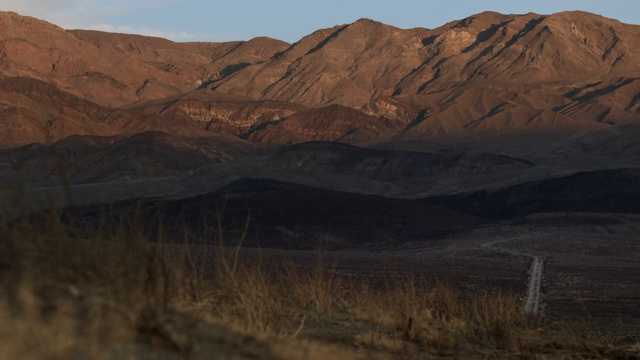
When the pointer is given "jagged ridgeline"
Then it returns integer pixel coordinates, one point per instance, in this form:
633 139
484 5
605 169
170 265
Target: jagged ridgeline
360 82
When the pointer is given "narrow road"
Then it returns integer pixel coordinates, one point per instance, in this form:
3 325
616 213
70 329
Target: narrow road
535 278
533 298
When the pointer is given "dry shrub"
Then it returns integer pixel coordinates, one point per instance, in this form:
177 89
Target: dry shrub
317 288
248 298
91 288
435 315
239 291
70 291
497 320
385 342
314 350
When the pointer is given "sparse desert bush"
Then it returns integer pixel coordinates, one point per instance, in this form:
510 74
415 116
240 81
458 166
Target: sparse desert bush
58 280
71 291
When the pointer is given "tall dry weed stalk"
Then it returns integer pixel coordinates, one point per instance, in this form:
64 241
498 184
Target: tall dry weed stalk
91 286
71 290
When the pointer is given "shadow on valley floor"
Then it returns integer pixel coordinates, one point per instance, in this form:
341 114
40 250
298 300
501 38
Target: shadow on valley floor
605 191
282 215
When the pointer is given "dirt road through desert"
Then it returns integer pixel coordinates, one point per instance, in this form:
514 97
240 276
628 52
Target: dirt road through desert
535 278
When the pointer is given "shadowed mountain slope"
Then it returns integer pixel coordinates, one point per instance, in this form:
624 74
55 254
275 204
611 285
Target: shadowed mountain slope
606 191
330 158
94 159
285 215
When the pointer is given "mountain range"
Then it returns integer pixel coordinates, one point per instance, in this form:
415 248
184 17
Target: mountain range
480 117
364 82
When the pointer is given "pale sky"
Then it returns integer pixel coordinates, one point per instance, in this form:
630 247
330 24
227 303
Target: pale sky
288 20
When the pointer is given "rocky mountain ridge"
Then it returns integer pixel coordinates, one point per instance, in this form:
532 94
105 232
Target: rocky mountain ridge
364 82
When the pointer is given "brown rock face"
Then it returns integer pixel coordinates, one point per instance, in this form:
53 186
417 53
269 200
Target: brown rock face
330 123
114 69
353 64
348 65
359 82
219 113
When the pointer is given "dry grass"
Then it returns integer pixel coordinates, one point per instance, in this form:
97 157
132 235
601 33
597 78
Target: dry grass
72 292
62 283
